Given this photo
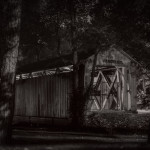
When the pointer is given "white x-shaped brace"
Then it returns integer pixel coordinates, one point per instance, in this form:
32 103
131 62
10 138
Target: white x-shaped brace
96 102
110 88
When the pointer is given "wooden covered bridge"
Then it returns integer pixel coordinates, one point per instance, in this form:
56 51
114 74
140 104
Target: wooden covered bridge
44 93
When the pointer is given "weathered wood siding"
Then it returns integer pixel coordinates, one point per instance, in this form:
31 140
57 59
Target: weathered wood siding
46 96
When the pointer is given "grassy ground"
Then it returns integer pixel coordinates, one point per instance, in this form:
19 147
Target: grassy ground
75 140
102 130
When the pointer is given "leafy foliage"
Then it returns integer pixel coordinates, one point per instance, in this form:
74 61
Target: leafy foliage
130 22
46 27
112 120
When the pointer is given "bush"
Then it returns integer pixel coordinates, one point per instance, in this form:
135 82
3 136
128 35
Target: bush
118 120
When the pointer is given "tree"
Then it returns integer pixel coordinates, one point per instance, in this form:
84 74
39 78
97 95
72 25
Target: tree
9 42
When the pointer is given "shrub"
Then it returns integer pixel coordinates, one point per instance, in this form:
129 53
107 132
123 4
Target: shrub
118 120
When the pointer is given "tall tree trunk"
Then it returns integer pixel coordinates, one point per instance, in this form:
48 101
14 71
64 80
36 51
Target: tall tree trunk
9 43
73 44
75 70
76 99
93 70
75 96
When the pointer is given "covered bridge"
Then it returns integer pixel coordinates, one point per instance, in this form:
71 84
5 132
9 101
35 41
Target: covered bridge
43 93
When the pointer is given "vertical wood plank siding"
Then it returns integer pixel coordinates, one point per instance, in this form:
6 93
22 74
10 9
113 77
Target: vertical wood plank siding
46 96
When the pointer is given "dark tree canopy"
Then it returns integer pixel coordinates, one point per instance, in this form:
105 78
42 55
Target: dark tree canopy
98 23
